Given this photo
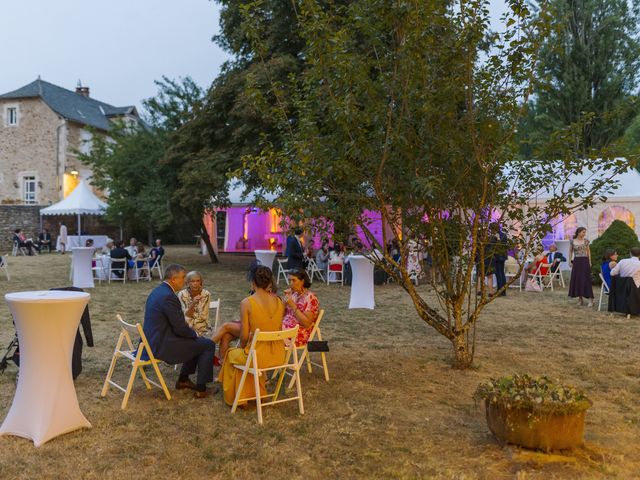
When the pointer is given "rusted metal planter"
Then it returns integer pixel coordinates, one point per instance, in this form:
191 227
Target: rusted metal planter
520 426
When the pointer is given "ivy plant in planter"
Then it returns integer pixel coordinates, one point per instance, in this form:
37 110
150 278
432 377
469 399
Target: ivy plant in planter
534 412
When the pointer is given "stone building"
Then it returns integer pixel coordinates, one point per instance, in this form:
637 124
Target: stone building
42 127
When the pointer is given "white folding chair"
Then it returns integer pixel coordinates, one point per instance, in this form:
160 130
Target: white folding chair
556 275
142 272
140 357
99 272
312 269
122 269
16 249
604 290
305 354
215 304
540 277
5 267
511 268
157 266
252 367
335 272
282 270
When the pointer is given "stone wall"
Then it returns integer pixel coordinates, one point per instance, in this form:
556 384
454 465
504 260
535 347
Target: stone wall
29 149
27 217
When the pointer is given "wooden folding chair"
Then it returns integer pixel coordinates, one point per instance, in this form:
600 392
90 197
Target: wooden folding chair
252 366
604 290
122 269
282 270
305 354
140 357
4 266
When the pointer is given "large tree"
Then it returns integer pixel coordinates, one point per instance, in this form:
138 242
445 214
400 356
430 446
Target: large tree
411 109
588 64
127 162
228 125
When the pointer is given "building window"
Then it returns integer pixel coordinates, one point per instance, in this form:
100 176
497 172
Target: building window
29 190
12 116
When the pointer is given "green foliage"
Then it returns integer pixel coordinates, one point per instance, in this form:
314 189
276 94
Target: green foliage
620 237
227 125
588 64
411 109
539 394
128 161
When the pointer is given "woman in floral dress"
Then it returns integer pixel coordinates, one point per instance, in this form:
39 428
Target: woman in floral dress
302 306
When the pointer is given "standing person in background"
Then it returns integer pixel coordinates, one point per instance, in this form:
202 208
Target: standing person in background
63 238
499 241
580 259
295 252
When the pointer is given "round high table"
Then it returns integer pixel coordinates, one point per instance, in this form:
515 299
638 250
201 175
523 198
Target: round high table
45 404
81 267
361 283
266 257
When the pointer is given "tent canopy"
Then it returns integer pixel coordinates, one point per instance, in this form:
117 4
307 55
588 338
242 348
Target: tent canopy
81 201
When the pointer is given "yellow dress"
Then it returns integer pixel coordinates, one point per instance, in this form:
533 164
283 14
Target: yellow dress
268 353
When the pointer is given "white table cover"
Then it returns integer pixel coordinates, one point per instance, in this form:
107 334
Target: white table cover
103 262
266 257
82 275
45 404
361 283
99 241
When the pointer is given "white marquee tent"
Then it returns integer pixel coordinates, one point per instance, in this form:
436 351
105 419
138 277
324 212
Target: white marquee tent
81 201
623 204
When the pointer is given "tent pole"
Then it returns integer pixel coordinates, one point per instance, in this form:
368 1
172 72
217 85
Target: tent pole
40 223
79 232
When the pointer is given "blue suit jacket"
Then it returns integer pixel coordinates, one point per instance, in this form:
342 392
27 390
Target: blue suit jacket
170 338
295 255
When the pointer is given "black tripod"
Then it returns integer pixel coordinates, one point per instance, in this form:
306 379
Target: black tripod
15 356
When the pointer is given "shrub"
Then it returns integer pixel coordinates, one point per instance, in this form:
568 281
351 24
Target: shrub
618 236
539 395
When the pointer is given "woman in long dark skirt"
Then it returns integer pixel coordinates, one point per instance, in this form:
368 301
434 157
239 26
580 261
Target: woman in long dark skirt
580 258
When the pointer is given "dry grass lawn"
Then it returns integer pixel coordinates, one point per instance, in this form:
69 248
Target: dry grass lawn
393 409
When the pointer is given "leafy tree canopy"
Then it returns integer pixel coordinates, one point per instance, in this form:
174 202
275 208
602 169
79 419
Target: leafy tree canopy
411 109
588 64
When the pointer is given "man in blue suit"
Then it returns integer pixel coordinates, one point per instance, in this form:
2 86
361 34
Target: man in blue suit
172 340
294 251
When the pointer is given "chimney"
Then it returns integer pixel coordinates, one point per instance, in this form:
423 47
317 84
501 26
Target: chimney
80 90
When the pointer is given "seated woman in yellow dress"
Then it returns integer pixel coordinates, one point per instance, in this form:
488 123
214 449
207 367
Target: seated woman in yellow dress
261 310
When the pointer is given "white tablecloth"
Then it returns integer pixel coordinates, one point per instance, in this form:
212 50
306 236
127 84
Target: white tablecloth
103 262
99 241
266 257
82 275
361 283
45 404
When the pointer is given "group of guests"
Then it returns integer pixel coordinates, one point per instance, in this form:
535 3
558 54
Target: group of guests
177 327
135 254
33 247
627 267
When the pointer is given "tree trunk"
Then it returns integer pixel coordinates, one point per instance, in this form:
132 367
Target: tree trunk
462 355
207 241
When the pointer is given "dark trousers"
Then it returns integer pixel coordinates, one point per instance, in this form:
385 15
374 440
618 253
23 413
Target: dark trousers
501 279
202 360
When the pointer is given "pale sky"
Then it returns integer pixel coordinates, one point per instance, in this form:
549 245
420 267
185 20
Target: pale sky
115 47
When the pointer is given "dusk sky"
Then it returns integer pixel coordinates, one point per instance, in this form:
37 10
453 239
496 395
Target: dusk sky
117 48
